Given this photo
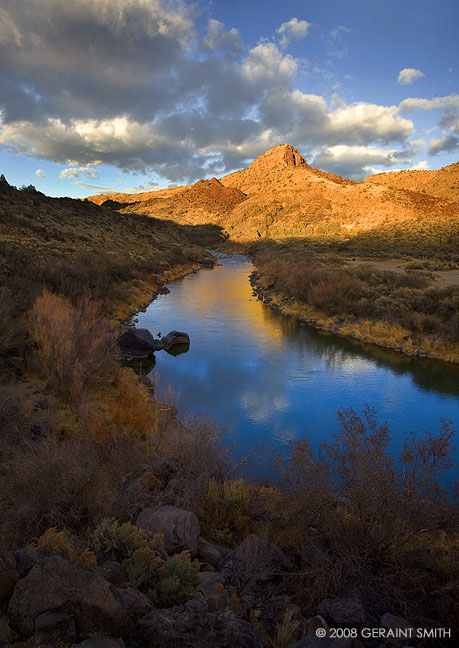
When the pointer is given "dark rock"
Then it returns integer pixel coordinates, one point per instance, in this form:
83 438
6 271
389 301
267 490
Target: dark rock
177 488
180 528
24 560
163 290
315 623
8 574
53 628
209 552
164 469
273 610
147 481
136 604
102 642
114 573
56 584
207 263
193 626
348 611
312 641
394 623
208 580
253 561
137 343
173 338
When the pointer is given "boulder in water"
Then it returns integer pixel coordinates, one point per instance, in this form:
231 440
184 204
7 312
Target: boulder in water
137 343
173 339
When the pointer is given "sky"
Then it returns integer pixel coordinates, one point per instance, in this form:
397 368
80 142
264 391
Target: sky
102 96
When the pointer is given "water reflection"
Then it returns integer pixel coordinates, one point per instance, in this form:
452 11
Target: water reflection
268 380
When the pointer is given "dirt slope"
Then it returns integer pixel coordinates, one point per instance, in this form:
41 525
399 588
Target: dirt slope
442 183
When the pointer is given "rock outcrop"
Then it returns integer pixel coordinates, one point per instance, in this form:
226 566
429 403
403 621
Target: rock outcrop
193 626
283 155
180 528
54 584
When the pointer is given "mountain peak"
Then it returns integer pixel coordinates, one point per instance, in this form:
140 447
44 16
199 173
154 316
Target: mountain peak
282 155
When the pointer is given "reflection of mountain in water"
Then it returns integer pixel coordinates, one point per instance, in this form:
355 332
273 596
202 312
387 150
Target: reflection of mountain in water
428 374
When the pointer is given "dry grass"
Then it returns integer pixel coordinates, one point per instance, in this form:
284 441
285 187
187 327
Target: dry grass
389 308
74 346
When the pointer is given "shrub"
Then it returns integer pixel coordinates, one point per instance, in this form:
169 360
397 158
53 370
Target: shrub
12 334
70 483
367 524
166 582
118 541
225 511
63 543
74 347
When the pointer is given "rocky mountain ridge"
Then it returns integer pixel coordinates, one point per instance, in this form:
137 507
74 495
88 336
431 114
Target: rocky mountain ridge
279 195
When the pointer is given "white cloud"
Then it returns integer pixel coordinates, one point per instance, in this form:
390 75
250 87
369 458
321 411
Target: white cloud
408 75
266 61
414 103
354 161
130 83
218 38
419 166
88 171
369 122
293 30
40 173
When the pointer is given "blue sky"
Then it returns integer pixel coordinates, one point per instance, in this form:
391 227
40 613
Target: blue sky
128 95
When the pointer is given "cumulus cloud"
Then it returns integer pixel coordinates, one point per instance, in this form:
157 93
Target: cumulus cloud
420 166
450 120
39 173
218 38
131 84
266 62
75 172
408 75
293 30
355 161
411 104
448 143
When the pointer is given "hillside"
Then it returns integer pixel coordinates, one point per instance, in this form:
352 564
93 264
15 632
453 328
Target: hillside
207 201
280 196
73 246
442 183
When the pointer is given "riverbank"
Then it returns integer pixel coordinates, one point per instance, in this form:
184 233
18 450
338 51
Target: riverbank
343 298
141 292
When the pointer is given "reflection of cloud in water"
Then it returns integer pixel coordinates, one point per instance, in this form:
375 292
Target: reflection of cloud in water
267 380
262 406
286 435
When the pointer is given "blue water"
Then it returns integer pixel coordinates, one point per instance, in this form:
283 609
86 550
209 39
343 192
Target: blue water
267 380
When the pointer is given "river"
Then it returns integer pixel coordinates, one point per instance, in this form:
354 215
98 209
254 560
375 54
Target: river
268 380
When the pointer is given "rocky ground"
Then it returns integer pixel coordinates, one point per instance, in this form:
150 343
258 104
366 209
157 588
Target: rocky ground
53 600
